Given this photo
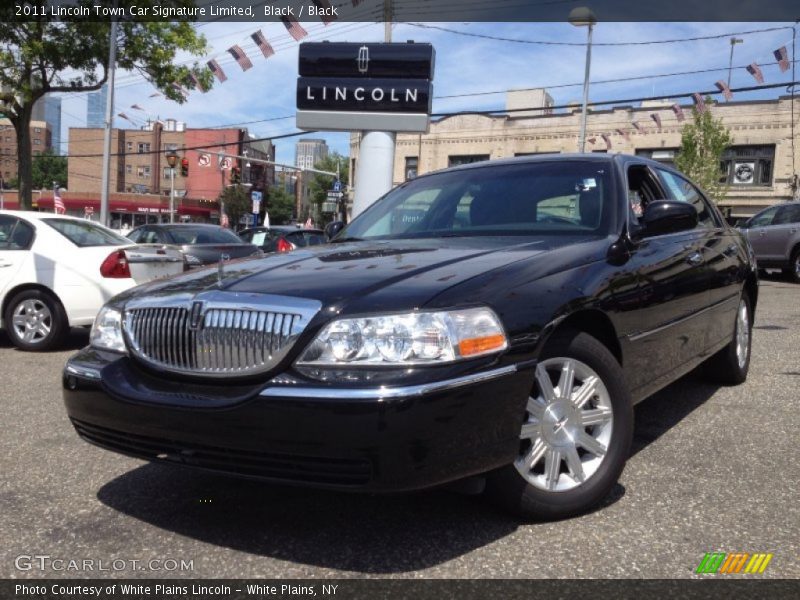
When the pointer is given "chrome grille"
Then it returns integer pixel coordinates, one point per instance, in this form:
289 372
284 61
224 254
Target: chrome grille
223 341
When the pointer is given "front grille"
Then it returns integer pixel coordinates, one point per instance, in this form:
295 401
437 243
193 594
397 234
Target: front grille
225 341
248 463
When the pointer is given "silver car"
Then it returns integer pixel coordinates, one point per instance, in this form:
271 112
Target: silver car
774 234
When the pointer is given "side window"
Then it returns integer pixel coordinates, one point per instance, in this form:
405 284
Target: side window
787 214
643 188
763 219
14 234
135 236
682 190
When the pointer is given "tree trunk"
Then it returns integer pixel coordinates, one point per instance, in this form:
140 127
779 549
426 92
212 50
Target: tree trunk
22 125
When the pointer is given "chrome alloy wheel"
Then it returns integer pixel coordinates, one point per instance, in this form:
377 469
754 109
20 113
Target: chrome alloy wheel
32 321
568 426
742 334
797 266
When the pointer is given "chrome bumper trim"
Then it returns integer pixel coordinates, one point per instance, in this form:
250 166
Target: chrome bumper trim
84 372
383 392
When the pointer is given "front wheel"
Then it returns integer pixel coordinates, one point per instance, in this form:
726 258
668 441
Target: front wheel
35 321
575 434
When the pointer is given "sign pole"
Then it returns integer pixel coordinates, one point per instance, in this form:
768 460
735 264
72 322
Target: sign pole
374 168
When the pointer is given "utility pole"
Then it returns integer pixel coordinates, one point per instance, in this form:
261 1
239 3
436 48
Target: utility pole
112 67
387 21
734 41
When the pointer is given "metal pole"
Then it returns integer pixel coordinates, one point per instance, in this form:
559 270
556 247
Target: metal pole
2 198
582 137
172 194
387 20
730 63
112 66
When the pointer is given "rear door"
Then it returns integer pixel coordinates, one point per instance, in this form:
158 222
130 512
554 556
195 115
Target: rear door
757 232
16 238
778 237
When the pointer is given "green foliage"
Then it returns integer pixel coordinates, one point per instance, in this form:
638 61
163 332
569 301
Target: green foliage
47 168
702 143
280 205
41 55
237 202
320 185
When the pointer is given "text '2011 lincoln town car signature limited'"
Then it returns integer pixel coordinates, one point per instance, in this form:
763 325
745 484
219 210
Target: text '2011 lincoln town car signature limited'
496 320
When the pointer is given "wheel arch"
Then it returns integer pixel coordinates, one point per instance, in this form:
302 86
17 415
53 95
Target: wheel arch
592 321
23 287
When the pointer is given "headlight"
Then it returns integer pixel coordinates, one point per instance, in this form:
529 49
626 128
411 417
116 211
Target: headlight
107 330
412 338
192 260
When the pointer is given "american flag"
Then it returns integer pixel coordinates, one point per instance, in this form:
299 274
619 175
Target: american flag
699 103
137 107
624 134
294 28
755 71
657 118
181 90
224 221
723 87
263 44
154 95
309 223
637 127
592 140
237 53
606 139
326 7
676 108
58 203
213 65
126 117
782 56
197 83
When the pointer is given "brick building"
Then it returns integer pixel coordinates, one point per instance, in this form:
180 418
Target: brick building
761 130
41 140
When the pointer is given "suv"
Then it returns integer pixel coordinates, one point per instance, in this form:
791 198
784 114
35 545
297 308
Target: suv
774 234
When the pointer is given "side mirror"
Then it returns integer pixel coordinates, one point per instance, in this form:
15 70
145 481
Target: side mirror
668 216
332 228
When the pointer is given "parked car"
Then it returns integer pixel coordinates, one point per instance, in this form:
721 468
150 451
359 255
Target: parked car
282 238
57 271
496 320
201 244
774 234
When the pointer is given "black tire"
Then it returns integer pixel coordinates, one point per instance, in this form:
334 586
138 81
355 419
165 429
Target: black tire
55 319
508 488
792 272
725 367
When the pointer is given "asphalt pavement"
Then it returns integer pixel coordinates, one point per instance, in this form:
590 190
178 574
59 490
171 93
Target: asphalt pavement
713 469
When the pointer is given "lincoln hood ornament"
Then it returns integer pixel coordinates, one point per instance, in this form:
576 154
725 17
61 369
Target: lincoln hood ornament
223 258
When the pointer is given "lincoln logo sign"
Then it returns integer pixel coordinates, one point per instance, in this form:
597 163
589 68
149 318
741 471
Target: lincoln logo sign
382 87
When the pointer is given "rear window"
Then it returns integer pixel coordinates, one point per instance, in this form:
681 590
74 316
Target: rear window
85 234
203 235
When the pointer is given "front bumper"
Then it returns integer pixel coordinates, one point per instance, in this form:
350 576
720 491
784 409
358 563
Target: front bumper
372 439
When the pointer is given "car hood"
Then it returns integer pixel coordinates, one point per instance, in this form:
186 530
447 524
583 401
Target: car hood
373 275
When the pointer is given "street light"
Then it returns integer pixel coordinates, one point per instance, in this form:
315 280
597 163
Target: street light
583 16
172 160
734 41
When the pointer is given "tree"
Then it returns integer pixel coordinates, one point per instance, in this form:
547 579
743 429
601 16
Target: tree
280 205
320 185
235 201
42 55
702 143
49 167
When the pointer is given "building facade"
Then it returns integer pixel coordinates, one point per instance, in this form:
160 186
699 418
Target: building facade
309 151
48 109
41 140
760 166
96 108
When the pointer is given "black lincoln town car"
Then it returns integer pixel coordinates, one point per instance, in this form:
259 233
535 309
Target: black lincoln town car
497 321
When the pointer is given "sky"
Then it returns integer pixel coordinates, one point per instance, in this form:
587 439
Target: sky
264 97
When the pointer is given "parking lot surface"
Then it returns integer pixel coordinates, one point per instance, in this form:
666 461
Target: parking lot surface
713 469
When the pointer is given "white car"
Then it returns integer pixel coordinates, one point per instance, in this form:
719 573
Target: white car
57 271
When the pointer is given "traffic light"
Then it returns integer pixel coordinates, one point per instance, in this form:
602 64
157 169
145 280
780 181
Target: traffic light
236 174
185 167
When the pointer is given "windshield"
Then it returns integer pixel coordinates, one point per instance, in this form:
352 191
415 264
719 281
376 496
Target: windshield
202 235
557 198
85 233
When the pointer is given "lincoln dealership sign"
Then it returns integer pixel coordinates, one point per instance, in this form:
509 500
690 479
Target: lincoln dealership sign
384 87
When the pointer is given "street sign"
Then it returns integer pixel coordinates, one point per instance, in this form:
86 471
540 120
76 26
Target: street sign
256 207
337 186
335 195
256 196
329 207
402 61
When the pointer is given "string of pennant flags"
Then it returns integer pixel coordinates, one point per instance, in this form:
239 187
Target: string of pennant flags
782 60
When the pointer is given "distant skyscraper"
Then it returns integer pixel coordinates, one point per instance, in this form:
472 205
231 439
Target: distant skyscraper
309 151
96 108
48 109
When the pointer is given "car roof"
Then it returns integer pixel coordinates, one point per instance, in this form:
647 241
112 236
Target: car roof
36 215
206 225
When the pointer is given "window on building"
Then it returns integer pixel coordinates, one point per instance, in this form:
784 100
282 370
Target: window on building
465 159
129 169
37 142
143 172
143 147
411 167
37 130
165 172
747 165
129 146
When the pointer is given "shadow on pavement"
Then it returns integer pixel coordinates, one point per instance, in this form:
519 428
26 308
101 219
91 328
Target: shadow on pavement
77 338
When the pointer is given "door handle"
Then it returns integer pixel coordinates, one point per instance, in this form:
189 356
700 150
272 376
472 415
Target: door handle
762 233
695 258
4 264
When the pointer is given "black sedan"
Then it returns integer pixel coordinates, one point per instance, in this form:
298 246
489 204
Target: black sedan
282 238
497 320
200 243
